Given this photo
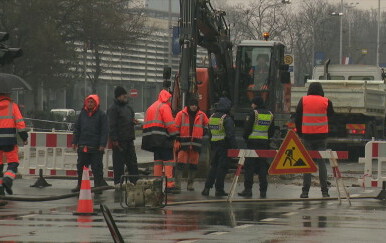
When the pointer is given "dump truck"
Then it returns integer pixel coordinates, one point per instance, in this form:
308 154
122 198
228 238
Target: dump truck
359 99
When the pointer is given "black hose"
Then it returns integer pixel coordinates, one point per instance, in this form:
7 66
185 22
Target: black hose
52 198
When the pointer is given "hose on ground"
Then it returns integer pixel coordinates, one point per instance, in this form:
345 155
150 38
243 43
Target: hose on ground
52 198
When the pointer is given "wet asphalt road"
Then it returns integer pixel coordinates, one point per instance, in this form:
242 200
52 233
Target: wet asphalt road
262 221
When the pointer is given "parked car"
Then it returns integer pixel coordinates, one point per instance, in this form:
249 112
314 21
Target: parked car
140 116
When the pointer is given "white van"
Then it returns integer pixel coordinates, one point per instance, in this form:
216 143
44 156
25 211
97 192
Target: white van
65 113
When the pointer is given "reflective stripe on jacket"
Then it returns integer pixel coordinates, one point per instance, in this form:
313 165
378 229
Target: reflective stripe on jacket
261 126
183 125
216 126
315 118
159 126
11 121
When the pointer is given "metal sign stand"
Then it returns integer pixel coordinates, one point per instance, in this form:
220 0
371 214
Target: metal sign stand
338 179
237 174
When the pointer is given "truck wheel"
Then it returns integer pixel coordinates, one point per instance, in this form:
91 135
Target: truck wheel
370 130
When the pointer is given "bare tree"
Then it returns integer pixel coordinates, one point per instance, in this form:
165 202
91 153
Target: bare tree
101 25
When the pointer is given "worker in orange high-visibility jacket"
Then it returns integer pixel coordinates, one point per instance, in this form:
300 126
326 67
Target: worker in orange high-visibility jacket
192 125
313 115
159 132
11 123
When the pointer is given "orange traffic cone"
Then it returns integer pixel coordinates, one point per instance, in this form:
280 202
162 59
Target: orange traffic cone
85 202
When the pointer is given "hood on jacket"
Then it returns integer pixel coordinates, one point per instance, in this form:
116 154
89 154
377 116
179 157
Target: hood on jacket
315 88
96 99
4 104
224 105
164 96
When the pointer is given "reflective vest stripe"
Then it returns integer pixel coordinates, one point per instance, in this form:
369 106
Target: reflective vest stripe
313 114
261 126
7 117
315 123
10 174
7 135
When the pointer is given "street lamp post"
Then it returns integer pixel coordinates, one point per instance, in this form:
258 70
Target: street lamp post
350 19
378 28
340 34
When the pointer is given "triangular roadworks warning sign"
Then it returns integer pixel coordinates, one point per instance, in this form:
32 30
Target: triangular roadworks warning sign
292 157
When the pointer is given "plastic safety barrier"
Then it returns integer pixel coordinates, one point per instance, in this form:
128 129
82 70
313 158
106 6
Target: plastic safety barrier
52 152
374 150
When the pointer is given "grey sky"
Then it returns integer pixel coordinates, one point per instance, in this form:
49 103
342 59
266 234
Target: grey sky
362 4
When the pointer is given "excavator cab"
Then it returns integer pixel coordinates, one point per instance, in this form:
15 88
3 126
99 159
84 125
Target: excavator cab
260 71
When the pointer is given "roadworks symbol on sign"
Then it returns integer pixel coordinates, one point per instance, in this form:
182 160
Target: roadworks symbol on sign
292 157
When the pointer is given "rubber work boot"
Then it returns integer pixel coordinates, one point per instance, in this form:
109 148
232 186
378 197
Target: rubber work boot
263 194
77 188
221 193
325 194
245 193
304 195
177 179
7 184
191 176
205 192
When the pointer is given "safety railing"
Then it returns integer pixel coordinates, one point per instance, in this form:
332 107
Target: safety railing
374 151
52 152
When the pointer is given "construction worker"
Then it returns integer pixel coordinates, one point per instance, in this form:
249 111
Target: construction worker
191 124
259 77
222 132
90 139
122 134
258 129
159 132
313 114
11 123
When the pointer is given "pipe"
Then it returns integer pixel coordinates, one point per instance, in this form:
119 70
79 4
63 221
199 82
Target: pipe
52 198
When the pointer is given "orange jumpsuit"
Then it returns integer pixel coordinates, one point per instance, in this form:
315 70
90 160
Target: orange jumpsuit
11 123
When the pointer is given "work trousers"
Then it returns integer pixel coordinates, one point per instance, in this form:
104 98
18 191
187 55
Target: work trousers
317 145
125 155
218 167
12 157
256 165
93 158
164 162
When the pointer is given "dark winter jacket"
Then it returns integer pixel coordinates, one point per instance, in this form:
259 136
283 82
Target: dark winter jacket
121 122
224 107
314 89
91 128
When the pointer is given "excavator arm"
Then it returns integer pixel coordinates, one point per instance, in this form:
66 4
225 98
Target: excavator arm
202 25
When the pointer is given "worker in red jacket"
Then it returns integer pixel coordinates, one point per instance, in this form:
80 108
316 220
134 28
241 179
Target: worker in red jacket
191 124
159 132
11 123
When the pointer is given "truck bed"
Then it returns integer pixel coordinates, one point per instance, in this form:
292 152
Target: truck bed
357 97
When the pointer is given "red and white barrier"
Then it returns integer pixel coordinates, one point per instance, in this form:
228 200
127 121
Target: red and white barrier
250 153
272 153
374 150
52 152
